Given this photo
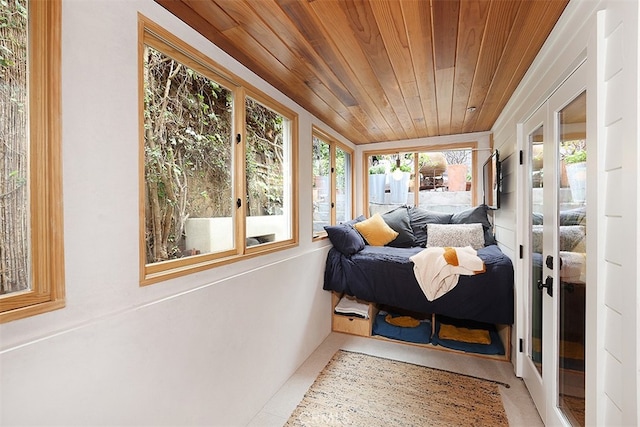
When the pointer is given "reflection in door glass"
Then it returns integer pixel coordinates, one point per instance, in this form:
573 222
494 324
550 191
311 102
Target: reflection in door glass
572 222
536 143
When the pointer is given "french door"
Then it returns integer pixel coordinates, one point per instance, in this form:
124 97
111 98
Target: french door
555 156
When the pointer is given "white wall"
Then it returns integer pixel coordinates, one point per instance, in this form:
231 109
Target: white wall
606 34
209 348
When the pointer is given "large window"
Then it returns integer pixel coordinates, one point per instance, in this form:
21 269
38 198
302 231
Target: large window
332 183
218 163
438 179
31 232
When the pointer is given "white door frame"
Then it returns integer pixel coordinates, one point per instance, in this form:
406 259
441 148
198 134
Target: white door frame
533 381
543 390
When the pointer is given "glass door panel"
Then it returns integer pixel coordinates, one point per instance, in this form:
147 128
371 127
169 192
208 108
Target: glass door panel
536 301
572 222
536 146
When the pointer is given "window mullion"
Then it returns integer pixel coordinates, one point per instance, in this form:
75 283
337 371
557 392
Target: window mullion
333 181
416 179
239 174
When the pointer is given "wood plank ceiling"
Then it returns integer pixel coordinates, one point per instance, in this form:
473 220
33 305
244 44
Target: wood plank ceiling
383 70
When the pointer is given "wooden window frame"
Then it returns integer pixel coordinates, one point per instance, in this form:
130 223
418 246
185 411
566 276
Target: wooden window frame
470 145
333 145
47 290
152 34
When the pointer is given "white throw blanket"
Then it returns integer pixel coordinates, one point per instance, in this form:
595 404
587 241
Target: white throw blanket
437 269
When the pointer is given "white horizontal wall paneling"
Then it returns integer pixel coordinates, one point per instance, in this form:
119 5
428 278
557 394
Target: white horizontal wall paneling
504 217
615 109
613 293
614 135
615 193
615 56
614 377
618 118
614 343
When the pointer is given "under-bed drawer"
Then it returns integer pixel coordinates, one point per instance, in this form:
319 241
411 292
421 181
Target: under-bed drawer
352 325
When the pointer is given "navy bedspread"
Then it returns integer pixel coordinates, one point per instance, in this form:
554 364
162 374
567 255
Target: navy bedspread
384 275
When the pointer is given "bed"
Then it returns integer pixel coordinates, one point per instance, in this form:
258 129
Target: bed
360 266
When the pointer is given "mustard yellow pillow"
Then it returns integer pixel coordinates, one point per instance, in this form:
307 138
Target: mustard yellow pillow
375 231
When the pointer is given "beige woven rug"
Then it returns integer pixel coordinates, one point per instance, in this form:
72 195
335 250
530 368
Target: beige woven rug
359 390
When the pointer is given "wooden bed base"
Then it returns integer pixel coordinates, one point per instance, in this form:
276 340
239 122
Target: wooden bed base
355 325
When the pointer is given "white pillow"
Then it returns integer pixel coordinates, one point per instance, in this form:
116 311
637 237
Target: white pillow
455 235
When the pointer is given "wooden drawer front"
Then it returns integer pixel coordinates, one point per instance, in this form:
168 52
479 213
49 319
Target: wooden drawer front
352 325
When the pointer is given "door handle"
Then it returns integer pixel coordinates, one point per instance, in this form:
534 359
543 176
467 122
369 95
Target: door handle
548 283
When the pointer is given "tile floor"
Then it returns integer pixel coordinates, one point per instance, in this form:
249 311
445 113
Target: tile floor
517 402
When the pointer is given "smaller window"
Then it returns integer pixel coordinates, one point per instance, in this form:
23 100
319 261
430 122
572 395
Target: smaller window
332 183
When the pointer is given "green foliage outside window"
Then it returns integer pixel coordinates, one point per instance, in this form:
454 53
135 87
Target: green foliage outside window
264 160
14 148
189 145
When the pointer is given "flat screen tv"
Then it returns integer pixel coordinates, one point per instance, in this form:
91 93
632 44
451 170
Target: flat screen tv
492 181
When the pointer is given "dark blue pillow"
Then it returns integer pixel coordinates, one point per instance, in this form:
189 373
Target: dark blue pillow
355 220
419 218
345 238
577 216
398 220
477 214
